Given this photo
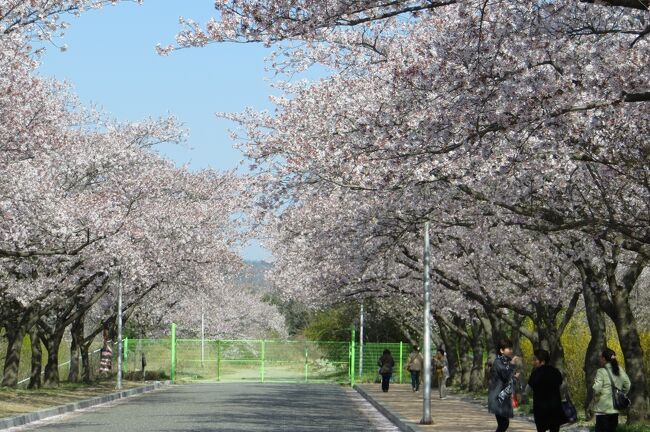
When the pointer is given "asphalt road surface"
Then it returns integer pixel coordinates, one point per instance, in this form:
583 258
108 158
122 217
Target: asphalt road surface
229 407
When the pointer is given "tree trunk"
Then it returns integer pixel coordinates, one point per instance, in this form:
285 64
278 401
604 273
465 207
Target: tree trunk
515 335
12 359
465 363
549 334
620 311
86 370
476 375
76 332
628 336
37 358
52 344
597 330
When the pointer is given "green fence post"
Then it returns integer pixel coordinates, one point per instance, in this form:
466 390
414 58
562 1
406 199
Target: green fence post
173 371
125 358
401 357
262 361
306 359
352 350
218 361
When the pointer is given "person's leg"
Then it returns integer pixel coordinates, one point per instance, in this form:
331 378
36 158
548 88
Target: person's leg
384 383
502 423
443 387
602 423
606 423
413 378
388 381
417 380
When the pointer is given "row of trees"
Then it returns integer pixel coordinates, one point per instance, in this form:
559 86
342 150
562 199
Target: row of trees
518 129
86 203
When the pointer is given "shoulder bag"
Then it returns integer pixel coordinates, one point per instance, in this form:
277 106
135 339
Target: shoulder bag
620 399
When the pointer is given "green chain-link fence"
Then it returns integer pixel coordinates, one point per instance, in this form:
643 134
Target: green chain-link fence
262 360
245 360
371 353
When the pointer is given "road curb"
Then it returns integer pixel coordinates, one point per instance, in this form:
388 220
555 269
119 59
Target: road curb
24 419
394 418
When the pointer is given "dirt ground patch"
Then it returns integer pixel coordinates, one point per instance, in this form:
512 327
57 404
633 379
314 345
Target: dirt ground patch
20 401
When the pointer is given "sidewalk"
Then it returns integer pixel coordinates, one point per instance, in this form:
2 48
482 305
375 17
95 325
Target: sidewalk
449 415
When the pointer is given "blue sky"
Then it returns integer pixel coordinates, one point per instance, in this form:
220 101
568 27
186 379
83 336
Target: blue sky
111 62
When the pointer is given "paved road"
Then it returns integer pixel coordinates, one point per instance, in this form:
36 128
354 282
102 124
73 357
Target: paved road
230 408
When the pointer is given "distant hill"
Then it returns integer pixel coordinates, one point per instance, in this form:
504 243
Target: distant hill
253 276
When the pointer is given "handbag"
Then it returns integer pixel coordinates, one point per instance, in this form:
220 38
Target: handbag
620 399
570 412
515 401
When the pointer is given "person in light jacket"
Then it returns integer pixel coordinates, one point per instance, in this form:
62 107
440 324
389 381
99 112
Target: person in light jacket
441 366
606 414
414 365
501 385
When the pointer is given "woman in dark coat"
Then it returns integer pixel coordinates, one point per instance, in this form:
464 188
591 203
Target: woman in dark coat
386 364
545 380
501 386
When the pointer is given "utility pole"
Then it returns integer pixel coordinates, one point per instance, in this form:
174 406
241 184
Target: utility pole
426 400
202 335
361 344
119 330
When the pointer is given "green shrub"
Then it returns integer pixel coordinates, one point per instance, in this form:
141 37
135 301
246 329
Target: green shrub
157 375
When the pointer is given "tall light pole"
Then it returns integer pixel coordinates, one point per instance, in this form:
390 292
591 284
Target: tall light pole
119 330
361 344
426 400
202 335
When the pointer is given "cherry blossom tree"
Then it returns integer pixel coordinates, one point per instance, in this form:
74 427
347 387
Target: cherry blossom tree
87 202
521 119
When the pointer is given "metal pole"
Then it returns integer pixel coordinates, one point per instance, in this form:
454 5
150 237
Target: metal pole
426 400
218 361
173 347
125 365
401 360
352 352
263 354
306 362
119 331
202 336
361 344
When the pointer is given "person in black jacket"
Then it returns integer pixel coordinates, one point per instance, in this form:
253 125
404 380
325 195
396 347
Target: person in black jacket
545 380
386 364
501 385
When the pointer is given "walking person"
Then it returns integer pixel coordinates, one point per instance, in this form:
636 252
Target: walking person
609 373
414 366
386 364
545 381
105 356
501 385
441 366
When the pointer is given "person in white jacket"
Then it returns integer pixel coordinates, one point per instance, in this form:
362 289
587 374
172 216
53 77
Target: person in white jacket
609 373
